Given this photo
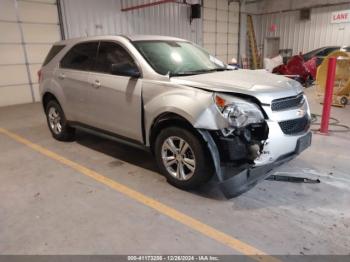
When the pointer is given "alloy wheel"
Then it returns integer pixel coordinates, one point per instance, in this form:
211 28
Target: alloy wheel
55 120
178 158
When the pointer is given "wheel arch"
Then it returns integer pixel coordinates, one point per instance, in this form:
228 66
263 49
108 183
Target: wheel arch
168 119
47 97
165 120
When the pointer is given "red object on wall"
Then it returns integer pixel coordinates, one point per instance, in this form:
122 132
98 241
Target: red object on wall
328 97
273 28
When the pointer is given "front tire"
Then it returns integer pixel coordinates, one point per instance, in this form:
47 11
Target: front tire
183 158
57 122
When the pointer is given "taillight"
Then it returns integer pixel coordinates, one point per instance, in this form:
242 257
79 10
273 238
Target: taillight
39 76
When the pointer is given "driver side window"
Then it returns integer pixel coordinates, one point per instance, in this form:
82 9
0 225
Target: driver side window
111 54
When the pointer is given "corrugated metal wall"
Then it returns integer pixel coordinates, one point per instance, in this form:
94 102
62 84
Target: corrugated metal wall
304 35
91 17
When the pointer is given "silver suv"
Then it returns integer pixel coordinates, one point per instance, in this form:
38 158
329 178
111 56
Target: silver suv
197 115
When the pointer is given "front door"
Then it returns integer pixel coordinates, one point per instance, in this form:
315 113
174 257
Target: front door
115 100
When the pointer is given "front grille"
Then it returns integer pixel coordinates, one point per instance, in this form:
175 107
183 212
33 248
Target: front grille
287 102
295 126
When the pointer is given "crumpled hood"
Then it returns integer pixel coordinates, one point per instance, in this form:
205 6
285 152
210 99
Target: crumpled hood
258 83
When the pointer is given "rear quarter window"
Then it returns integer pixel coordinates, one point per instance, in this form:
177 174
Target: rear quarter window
52 53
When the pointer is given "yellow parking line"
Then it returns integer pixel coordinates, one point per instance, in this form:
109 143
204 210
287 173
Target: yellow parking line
184 219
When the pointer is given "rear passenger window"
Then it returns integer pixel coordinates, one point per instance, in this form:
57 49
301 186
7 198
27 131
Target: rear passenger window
80 57
52 53
112 54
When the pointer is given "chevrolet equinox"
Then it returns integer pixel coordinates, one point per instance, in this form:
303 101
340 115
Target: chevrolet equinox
197 115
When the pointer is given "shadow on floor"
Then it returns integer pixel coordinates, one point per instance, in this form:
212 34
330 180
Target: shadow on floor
119 151
138 157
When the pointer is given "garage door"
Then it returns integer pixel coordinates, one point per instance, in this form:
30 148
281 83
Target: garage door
220 28
27 30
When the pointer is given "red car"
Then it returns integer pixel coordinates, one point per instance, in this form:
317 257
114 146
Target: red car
303 68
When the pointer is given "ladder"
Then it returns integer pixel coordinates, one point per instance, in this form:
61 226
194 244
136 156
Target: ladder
252 43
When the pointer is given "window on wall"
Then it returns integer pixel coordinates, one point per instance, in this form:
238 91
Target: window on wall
80 57
110 54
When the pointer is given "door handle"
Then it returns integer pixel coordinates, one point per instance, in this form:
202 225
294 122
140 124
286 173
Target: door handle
96 84
61 76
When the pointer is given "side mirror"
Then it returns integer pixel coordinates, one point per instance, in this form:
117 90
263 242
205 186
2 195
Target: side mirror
125 70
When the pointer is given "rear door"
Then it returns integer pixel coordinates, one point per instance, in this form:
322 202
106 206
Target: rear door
115 100
73 75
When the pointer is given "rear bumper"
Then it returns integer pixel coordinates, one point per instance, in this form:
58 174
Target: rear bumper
239 183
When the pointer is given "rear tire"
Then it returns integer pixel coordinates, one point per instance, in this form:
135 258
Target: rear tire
183 158
344 100
57 122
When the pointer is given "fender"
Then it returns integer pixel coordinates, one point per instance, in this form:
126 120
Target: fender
51 86
194 105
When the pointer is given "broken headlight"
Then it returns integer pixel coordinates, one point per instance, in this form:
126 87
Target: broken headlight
238 112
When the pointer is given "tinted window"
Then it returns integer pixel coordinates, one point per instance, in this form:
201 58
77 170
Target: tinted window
321 52
329 50
52 53
81 57
112 54
312 53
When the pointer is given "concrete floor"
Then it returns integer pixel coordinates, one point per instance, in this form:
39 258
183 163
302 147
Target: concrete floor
48 208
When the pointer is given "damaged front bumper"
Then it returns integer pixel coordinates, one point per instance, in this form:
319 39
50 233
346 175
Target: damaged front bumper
235 180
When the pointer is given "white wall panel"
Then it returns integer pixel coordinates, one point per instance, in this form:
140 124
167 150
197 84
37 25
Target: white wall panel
7 10
209 14
232 49
37 53
41 33
210 26
222 15
13 75
233 39
222 57
234 18
221 38
9 33
37 12
36 92
221 49
209 38
220 28
222 5
12 95
21 55
209 3
89 17
210 48
11 54
43 1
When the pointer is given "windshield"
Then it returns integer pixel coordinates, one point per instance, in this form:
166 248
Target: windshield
178 58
